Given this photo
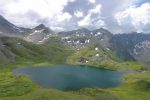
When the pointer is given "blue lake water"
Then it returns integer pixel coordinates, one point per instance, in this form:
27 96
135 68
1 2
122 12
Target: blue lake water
71 77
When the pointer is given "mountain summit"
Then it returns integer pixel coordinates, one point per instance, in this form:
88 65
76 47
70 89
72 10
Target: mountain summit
39 34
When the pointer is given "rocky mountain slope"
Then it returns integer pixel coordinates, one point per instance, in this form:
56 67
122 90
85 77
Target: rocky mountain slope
142 52
39 34
102 47
7 28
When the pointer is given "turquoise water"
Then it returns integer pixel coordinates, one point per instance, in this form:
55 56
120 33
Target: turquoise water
71 77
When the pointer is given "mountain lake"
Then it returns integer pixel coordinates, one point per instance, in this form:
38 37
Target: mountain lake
71 77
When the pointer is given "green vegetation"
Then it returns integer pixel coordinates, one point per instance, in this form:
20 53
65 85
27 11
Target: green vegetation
21 88
19 53
12 85
136 86
105 59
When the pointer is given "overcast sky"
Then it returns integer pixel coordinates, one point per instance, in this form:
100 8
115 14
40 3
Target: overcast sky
118 16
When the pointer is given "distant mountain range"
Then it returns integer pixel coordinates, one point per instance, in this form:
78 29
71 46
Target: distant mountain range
103 44
38 34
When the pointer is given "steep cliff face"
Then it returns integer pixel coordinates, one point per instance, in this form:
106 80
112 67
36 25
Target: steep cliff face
124 44
142 52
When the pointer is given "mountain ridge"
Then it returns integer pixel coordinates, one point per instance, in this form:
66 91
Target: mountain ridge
103 44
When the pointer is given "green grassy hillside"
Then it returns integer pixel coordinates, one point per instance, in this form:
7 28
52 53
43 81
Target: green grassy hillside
94 54
15 51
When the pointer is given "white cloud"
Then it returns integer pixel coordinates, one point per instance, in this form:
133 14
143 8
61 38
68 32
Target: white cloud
92 1
78 14
56 28
51 9
88 20
137 17
96 10
64 16
100 23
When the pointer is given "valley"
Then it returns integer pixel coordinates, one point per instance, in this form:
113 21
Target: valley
41 46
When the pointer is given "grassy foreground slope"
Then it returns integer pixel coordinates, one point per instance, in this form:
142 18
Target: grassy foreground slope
136 86
21 88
